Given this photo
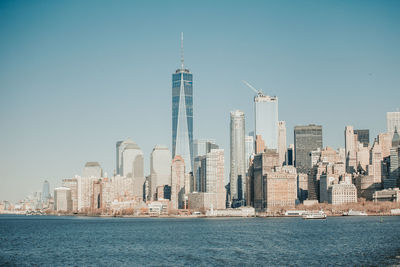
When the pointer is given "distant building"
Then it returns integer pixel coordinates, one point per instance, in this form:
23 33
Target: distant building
92 169
376 159
362 136
160 168
282 148
73 185
290 155
394 172
260 144
270 185
201 148
45 191
62 199
342 193
178 173
392 121
158 208
133 167
84 192
366 186
302 186
351 149
249 149
213 192
164 192
266 119
182 115
120 147
237 157
392 195
306 139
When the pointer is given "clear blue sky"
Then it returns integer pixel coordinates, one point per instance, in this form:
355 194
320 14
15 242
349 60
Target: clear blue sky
76 76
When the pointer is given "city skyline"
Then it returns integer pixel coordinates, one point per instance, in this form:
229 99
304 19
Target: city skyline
75 120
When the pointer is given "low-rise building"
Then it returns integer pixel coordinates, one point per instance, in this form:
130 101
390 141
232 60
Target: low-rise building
238 212
342 193
392 195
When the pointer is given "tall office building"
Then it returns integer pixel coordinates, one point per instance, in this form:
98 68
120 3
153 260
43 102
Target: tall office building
200 148
182 114
160 168
394 173
215 175
376 159
178 173
266 119
306 139
45 191
133 167
362 136
290 155
62 199
282 149
92 169
392 121
73 185
120 146
351 145
237 155
212 193
249 150
117 156
203 146
132 161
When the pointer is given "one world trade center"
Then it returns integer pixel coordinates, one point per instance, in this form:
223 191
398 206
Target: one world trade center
182 113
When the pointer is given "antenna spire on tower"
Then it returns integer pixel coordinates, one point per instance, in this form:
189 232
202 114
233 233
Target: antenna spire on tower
182 58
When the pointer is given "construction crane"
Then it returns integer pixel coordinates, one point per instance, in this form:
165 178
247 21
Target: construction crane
259 92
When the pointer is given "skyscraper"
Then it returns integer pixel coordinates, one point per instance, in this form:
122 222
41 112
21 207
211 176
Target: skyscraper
282 150
351 149
237 153
249 149
45 191
92 169
160 168
362 136
392 121
306 139
178 182
182 113
266 119
133 167
62 199
200 148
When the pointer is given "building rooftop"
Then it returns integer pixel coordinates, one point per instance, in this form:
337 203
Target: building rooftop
92 164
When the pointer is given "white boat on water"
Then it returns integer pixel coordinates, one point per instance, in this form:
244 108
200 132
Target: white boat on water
295 212
313 215
355 213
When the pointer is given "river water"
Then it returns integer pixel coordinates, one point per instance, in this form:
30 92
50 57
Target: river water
86 241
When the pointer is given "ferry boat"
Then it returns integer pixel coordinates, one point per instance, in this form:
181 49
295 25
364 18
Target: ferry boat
295 213
313 215
355 213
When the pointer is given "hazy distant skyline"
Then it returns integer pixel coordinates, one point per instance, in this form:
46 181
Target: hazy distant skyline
77 76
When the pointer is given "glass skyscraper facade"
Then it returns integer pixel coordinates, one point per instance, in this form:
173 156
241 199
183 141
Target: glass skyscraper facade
306 139
237 159
182 116
266 119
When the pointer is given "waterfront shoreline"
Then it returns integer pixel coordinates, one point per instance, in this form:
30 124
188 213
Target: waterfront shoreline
192 216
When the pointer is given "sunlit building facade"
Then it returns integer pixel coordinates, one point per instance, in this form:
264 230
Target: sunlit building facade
266 119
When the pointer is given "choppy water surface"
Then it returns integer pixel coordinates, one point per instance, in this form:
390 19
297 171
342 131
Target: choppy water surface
81 241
